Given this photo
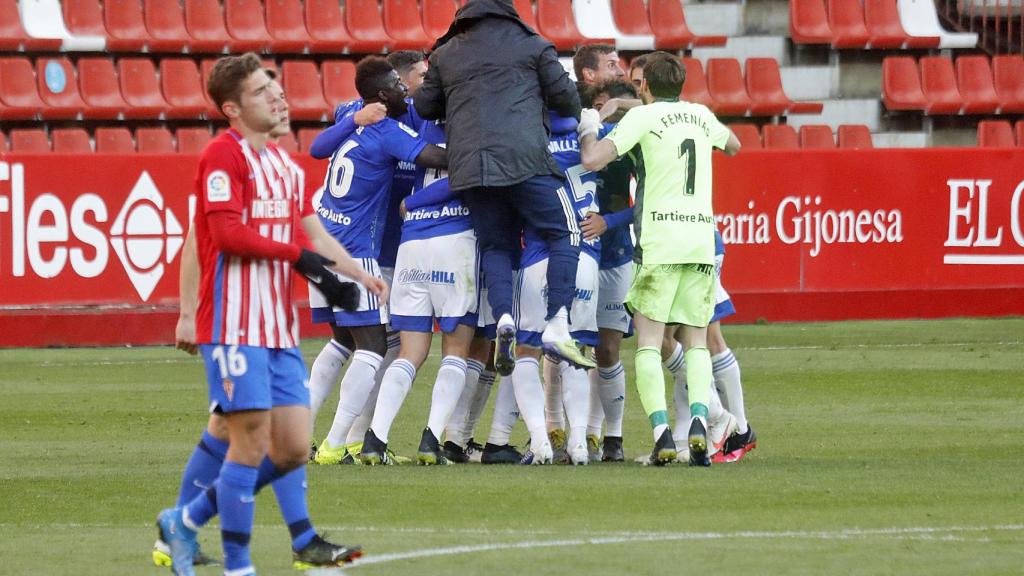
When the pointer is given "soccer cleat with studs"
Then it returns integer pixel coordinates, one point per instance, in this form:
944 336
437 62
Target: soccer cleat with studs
736 447
697 440
429 453
503 454
594 447
505 350
180 539
612 451
664 449
454 453
374 450
320 553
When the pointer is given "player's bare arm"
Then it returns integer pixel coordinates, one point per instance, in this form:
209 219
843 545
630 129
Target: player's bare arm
732 147
329 248
433 156
188 296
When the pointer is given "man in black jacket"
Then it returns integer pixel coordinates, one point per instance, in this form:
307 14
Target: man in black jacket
492 78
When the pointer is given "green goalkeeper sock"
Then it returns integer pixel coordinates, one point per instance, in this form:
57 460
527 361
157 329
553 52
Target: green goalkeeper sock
650 383
698 377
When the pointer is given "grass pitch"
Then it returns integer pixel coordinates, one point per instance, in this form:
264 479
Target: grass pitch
885 448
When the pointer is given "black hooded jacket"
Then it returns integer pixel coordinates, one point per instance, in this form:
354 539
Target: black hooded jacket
492 79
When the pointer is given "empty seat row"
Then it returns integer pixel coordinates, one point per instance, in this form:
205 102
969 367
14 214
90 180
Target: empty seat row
785 137
121 140
213 26
974 85
97 88
883 24
727 91
628 24
1000 133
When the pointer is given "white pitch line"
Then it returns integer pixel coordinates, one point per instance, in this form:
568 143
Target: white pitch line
914 533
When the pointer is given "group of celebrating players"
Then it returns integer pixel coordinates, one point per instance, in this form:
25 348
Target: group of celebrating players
392 252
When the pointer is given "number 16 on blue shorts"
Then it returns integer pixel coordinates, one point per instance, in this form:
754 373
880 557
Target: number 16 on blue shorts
254 378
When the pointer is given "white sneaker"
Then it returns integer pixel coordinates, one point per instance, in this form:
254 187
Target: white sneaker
542 451
719 429
579 455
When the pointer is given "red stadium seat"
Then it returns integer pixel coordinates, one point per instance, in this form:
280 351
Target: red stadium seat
192 140
668 22
764 85
212 112
1019 128
13 35
748 135
126 30
901 84
182 89
725 83
846 19
938 82
165 22
246 26
204 21
852 136
402 23
780 137
288 143
695 87
882 19
83 17
995 134
58 88
114 141
4 147
817 137
29 141
365 25
974 80
326 26
527 12
305 95
19 97
557 24
306 136
438 16
98 85
808 22
1008 73
287 26
154 141
71 141
140 88
339 77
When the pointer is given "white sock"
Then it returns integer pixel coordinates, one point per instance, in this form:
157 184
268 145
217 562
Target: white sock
457 421
393 389
506 412
576 397
612 392
451 378
483 393
324 375
596 418
727 376
557 328
715 409
659 430
676 364
553 412
355 390
530 396
358 430
506 320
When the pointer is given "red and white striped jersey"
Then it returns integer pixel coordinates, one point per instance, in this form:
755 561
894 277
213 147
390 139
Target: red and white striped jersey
247 300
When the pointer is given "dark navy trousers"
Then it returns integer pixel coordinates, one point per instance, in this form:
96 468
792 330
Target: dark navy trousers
499 214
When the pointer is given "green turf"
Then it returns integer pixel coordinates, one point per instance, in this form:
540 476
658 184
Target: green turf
885 448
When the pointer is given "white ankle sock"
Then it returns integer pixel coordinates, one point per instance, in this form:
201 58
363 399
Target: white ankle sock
451 379
393 389
456 422
553 412
530 396
612 391
726 371
506 413
576 398
355 390
324 375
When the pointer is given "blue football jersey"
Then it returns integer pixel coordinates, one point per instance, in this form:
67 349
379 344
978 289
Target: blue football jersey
581 188
354 200
401 186
443 218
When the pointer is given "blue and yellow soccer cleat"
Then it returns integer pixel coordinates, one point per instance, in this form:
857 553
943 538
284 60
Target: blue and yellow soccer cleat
373 451
180 539
568 351
162 555
664 449
429 453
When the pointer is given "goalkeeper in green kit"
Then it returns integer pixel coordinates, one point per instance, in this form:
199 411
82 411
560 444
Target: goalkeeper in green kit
674 278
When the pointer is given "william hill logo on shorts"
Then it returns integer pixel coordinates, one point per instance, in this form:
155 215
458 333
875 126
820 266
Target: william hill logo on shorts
417 276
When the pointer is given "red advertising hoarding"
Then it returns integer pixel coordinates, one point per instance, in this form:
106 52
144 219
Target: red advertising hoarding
90 244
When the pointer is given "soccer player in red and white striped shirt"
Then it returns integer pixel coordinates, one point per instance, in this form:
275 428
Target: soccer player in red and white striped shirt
252 228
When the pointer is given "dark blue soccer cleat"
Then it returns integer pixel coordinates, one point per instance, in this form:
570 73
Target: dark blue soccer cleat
505 350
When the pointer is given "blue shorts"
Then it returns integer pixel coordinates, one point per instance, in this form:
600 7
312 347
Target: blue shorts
723 309
447 324
254 378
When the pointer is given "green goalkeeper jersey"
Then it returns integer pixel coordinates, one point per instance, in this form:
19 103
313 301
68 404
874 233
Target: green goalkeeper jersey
671 146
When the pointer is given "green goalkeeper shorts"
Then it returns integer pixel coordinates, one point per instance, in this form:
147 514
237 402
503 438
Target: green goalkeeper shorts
673 293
